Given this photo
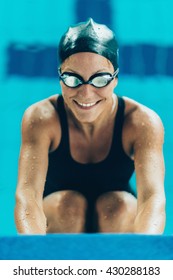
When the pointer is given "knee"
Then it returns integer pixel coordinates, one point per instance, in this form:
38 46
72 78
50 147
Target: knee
66 204
114 204
72 203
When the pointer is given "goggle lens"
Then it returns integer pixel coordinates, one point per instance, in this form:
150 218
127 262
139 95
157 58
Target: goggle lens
71 81
101 81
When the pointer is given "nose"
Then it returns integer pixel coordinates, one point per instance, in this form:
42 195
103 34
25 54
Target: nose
86 90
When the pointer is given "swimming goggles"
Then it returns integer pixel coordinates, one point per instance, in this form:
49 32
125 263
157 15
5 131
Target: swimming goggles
98 80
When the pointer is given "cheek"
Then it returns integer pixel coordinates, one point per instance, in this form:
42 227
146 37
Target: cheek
65 90
63 87
109 89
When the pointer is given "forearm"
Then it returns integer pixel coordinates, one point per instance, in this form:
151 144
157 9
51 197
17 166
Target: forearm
30 218
150 218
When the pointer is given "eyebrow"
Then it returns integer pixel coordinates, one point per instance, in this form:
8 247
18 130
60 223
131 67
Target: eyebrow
98 71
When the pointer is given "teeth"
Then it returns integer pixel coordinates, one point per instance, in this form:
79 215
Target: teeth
86 104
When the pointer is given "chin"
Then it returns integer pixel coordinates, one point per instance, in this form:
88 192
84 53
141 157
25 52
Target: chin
86 119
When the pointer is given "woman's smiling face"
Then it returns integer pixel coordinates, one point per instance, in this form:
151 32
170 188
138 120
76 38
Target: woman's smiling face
87 102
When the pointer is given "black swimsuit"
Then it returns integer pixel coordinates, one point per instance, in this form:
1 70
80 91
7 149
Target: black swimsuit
91 179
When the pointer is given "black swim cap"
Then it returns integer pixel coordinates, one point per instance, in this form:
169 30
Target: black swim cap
89 37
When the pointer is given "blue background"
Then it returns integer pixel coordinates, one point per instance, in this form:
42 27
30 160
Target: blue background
29 34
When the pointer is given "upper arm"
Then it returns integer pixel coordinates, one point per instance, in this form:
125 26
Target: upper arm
148 155
33 160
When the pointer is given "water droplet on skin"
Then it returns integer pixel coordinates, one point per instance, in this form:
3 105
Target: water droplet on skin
40 118
26 182
34 157
25 156
32 168
143 123
33 217
26 212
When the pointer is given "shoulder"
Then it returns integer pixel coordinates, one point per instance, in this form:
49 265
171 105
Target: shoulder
41 116
43 109
141 124
140 116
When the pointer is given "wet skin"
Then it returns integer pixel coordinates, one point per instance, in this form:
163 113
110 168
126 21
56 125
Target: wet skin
91 113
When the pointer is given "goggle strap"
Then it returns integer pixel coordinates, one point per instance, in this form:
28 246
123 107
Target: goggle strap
115 73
